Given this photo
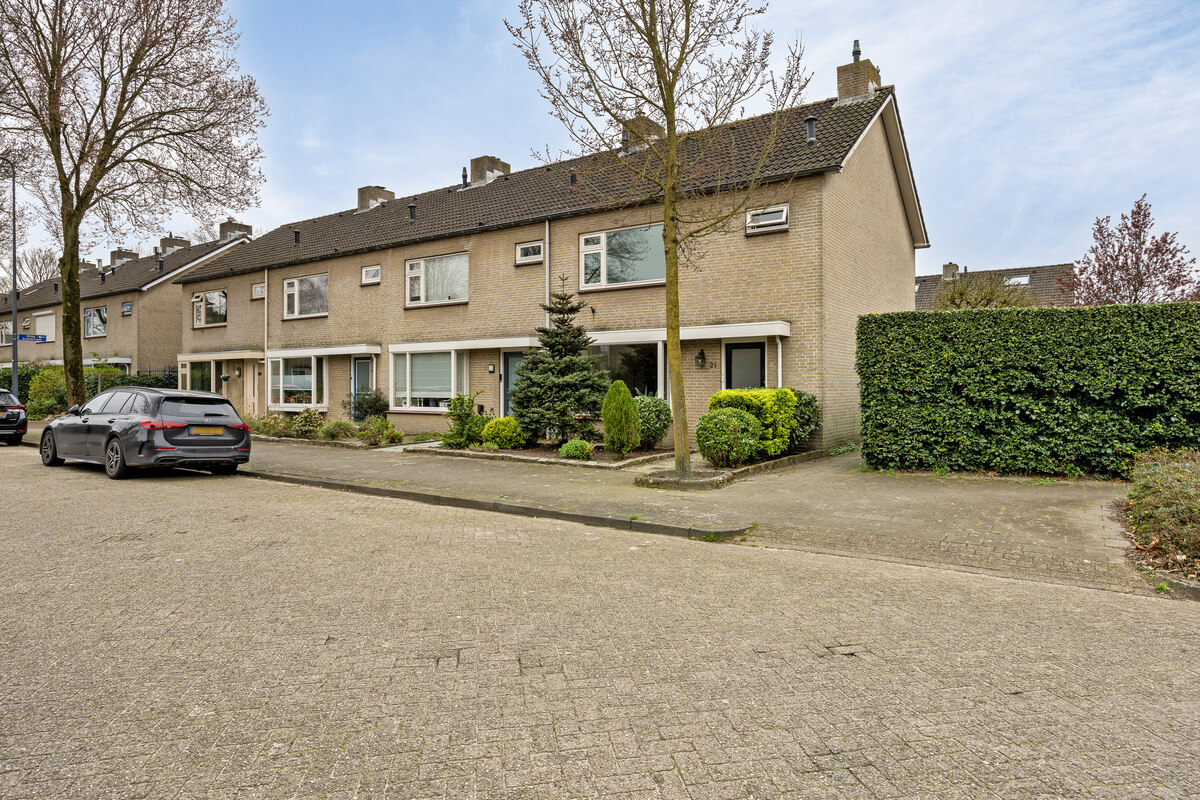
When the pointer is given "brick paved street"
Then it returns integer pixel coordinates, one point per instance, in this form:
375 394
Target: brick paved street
190 636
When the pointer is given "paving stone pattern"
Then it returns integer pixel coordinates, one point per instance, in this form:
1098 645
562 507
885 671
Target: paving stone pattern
185 636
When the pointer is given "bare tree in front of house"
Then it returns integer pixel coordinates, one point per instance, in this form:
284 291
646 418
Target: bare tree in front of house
1127 264
982 290
129 110
665 74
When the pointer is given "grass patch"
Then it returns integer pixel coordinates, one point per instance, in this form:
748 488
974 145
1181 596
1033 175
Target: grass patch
841 449
1164 509
710 537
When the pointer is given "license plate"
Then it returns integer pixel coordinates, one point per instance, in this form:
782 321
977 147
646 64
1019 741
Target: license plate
206 430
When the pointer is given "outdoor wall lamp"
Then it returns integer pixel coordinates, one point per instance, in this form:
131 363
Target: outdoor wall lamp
700 359
237 372
491 368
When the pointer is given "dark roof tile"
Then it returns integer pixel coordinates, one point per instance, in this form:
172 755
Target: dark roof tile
1043 281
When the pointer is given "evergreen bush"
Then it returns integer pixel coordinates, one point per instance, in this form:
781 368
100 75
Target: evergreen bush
376 431
808 418
577 449
25 374
505 433
306 423
622 427
559 390
1044 390
775 410
654 415
728 437
466 423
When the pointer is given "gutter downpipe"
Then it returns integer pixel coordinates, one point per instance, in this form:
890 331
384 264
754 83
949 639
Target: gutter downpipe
265 397
545 251
779 362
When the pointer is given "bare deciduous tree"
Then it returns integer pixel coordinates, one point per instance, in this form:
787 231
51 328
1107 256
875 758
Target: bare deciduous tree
1129 265
127 110
686 67
982 290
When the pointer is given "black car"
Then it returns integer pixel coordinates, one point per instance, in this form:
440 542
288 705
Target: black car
136 427
13 422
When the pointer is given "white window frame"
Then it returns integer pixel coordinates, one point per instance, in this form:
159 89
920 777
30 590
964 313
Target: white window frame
367 281
1017 280
755 224
25 324
258 291
127 308
522 260
602 249
455 389
415 267
6 334
272 405
199 307
52 335
291 287
85 326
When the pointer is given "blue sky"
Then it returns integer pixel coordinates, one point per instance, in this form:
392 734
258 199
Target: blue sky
1025 120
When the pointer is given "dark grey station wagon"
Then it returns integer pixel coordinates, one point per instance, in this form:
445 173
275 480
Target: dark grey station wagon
135 427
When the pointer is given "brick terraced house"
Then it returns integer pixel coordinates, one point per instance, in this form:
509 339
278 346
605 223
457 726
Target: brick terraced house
425 296
130 309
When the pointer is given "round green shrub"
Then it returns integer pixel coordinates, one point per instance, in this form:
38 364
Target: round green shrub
505 433
306 424
376 431
808 417
654 414
46 384
576 448
728 437
338 429
622 427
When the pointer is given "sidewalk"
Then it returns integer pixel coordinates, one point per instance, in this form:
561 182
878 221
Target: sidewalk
1060 531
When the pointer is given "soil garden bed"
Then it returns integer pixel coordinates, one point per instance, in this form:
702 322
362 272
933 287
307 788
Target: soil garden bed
545 454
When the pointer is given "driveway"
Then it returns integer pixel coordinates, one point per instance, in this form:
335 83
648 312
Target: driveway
190 636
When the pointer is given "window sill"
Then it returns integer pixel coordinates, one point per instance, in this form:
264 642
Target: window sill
96 336
616 286
767 231
370 283
214 325
438 411
414 306
305 316
529 263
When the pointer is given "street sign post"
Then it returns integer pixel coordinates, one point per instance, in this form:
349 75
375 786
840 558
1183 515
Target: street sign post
31 337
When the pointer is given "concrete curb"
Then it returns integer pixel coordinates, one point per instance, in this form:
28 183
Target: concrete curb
502 507
652 481
1179 588
484 455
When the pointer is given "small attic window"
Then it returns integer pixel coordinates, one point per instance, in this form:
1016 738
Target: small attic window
767 220
529 253
1018 280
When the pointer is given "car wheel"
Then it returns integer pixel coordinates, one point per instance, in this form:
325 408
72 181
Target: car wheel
50 451
223 469
114 459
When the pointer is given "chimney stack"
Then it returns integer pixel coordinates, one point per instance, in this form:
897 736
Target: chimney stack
486 169
640 129
231 228
949 271
169 244
120 256
857 80
371 196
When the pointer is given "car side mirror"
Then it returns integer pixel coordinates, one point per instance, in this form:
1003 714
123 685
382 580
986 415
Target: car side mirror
73 411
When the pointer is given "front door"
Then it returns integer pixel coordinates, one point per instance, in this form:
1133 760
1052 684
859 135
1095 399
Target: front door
746 365
509 379
360 378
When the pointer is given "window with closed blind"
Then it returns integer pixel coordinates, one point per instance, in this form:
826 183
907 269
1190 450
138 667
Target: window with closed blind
428 380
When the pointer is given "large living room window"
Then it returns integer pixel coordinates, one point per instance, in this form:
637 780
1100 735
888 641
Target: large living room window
209 308
635 364
306 297
43 325
428 380
625 257
437 279
298 382
95 322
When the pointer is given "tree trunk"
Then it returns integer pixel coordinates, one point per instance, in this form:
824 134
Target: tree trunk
72 333
679 421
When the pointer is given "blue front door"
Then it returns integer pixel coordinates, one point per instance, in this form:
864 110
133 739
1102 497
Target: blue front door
360 377
509 378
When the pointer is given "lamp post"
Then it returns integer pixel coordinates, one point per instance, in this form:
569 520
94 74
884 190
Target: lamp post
13 292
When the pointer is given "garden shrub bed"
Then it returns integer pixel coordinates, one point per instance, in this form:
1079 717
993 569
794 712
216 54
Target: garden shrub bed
1164 510
1055 391
546 454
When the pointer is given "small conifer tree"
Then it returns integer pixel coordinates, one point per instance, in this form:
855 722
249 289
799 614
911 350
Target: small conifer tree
559 389
622 425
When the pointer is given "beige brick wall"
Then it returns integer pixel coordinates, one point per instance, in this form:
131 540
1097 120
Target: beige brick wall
869 263
35 351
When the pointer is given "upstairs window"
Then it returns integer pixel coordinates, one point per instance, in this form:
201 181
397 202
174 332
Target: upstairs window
1017 280
6 332
95 322
209 308
370 275
306 297
529 253
629 256
767 220
43 325
437 279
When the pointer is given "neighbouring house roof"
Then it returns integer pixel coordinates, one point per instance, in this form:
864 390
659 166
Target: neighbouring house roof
1043 281
136 275
546 192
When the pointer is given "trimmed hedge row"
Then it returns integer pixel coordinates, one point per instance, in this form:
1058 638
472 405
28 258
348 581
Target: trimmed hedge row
1060 391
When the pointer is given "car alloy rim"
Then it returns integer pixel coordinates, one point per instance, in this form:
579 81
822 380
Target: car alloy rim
46 445
114 455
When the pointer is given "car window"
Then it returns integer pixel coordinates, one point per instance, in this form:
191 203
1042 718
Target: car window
139 405
94 405
116 402
6 399
196 406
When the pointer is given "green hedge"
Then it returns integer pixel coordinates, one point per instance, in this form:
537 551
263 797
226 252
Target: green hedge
775 410
1049 390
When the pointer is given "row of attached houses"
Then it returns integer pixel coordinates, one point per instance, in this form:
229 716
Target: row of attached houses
427 296
130 309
